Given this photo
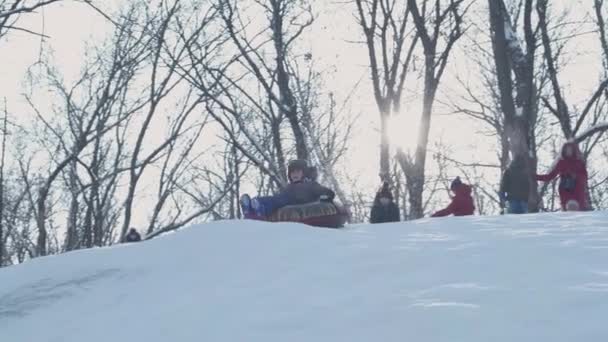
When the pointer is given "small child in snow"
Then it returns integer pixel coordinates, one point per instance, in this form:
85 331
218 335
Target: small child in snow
133 236
462 202
384 208
572 172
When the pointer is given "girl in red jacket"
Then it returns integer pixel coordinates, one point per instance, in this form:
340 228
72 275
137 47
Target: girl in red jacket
462 202
572 173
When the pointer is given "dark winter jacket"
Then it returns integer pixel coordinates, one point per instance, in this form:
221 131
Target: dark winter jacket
305 192
515 184
572 172
461 205
384 213
133 236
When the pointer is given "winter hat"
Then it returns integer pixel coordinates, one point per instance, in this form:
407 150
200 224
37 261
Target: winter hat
455 183
298 164
385 191
312 173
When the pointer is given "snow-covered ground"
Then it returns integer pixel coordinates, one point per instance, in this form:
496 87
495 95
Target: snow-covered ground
513 278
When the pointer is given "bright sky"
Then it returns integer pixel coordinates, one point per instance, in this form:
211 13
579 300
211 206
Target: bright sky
72 26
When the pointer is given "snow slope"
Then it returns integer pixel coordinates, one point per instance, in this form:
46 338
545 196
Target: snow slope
513 278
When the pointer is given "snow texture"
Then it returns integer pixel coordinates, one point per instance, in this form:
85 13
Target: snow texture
541 277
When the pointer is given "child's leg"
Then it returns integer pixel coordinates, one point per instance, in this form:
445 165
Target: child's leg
522 207
518 207
263 205
266 205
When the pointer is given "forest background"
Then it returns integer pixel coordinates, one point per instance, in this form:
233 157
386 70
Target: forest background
159 114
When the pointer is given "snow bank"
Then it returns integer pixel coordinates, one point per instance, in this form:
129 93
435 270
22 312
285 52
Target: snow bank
512 278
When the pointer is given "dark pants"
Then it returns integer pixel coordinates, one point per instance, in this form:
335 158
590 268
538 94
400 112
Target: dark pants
517 207
268 204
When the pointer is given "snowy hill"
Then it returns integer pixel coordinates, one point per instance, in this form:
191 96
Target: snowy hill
513 278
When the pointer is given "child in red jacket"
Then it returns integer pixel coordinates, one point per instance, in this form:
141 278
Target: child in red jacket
462 202
572 173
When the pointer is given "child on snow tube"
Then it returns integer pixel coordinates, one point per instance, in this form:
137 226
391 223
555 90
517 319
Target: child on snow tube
302 195
462 202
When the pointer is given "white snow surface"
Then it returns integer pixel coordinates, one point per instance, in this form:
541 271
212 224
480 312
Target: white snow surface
540 277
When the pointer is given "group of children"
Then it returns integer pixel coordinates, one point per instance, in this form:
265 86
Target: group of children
514 192
385 210
571 170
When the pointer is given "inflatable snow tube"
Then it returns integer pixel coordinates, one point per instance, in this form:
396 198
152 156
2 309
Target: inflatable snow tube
318 214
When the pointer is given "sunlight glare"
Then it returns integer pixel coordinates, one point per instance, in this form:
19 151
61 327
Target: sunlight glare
403 131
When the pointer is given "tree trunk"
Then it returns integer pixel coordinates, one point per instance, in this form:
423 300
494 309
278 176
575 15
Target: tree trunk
288 105
278 147
129 204
41 221
2 186
417 177
89 234
71 239
520 111
384 146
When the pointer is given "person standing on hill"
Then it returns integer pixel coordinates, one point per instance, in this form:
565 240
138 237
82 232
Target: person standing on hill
462 202
515 187
572 172
384 208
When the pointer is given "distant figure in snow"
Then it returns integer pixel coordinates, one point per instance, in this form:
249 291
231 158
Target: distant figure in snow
133 236
572 172
462 202
302 188
384 208
515 187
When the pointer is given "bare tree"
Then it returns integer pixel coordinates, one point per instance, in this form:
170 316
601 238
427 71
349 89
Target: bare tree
2 193
327 124
167 52
252 94
520 112
92 108
12 10
390 43
439 28
586 125
287 20
570 128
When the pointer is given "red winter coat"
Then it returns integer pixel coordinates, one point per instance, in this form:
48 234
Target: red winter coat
462 203
573 166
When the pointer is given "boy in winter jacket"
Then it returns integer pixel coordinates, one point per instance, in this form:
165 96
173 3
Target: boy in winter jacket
384 209
302 189
572 173
515 187
462 202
